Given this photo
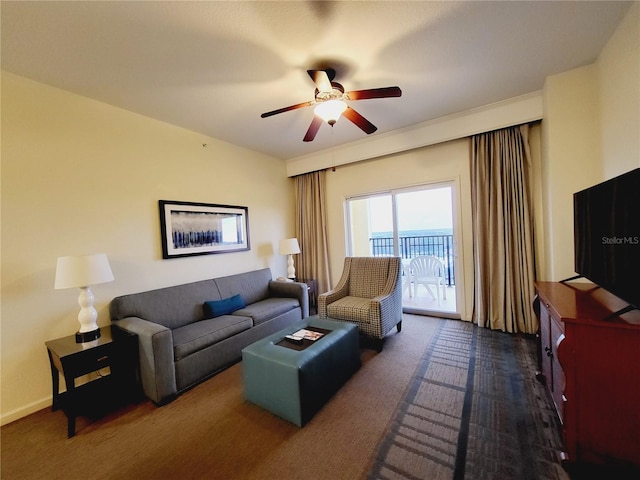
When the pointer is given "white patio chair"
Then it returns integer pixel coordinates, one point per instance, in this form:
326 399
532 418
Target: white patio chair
428 270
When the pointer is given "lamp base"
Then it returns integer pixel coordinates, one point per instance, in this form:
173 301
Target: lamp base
82 337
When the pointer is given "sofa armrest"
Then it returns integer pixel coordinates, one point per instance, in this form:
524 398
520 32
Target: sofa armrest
157 369
292 290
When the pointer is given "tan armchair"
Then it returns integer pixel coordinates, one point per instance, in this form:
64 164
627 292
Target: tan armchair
368 294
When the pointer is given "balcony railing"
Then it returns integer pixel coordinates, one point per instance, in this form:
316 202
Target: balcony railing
440 246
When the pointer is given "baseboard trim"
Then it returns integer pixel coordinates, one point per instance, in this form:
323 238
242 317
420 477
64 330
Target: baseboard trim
21 412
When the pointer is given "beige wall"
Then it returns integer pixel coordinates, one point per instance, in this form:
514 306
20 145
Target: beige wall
360 227
447 161
80 176
591 132
618 68
571 160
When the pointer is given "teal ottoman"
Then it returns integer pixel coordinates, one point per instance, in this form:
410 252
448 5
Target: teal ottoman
296 384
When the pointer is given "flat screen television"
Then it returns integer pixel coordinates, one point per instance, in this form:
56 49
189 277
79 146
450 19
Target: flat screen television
607 235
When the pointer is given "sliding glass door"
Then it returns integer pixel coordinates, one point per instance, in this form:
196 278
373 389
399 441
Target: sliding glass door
410 223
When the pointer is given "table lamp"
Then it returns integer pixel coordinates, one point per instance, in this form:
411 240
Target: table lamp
82 272
289 246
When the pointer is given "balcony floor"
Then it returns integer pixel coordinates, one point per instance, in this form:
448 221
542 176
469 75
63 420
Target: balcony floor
425 302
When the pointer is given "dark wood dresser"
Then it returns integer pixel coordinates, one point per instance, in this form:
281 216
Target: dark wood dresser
591 368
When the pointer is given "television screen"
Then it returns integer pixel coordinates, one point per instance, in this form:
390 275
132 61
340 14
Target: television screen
607 235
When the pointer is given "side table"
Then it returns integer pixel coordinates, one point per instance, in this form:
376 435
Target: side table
116 349
313 294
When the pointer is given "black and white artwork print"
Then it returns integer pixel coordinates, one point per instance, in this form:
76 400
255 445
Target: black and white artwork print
190 228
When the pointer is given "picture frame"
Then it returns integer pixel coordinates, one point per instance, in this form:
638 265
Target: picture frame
190 228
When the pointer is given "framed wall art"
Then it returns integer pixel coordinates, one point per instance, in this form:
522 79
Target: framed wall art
189 228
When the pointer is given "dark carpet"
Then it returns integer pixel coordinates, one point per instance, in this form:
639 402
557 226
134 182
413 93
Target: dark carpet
443 400
473 410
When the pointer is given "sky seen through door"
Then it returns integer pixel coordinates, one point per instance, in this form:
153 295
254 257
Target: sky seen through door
420 210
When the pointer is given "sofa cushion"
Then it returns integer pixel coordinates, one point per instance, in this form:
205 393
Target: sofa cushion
171 307
253 286
216 308
268 309
198 335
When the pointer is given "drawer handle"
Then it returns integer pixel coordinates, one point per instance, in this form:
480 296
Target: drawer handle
103 358
548 350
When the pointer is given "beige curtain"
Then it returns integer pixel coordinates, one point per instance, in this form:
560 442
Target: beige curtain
503 253
311 228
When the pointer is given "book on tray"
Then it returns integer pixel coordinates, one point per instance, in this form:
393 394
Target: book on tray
305 334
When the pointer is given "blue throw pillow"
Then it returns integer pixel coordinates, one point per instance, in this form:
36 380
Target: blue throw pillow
216 308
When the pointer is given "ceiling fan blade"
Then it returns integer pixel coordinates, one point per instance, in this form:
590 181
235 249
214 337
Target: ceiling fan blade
384 92
286 109
313 129
359 120
322 79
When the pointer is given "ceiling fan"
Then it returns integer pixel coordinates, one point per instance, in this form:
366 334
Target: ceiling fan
330 102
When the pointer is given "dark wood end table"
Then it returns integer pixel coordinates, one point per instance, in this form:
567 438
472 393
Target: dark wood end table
117 350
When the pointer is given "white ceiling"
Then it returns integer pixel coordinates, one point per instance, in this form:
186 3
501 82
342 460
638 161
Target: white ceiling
214 67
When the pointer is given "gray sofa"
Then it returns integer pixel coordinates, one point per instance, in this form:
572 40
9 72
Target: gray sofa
180 346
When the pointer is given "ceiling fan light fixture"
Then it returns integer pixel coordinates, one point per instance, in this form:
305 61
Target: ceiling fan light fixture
330 102
330 110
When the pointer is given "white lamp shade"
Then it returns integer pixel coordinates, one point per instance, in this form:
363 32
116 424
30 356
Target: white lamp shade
82 271
289 246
